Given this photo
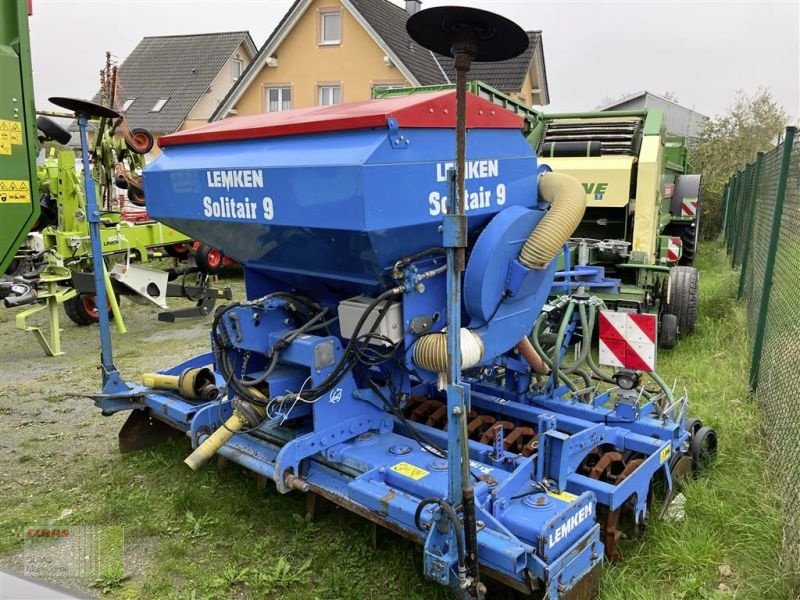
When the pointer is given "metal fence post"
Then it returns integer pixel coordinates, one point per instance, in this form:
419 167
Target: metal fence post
731 209
726 196
749 234
737 200
775 232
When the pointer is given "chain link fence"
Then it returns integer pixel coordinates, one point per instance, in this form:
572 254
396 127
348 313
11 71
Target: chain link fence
762 232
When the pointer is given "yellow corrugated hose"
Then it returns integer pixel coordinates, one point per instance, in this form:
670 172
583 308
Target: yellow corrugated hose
568 200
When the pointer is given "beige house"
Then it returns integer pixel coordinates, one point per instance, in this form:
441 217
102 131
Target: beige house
176 82
331 51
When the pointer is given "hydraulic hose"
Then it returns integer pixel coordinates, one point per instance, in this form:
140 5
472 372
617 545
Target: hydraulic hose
598 372
562 330
587 327
568 200
537 326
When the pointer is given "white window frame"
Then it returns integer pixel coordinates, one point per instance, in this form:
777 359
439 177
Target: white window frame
281 90
322 16
328 89
127 104
159 105
240 63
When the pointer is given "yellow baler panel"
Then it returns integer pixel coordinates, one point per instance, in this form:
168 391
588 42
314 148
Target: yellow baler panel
648 198
606 179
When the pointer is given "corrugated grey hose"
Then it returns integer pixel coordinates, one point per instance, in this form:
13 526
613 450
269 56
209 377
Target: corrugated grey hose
568 203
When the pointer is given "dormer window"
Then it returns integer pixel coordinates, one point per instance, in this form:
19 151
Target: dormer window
127 104
330 28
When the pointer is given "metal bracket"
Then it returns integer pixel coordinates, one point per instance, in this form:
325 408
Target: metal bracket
399 140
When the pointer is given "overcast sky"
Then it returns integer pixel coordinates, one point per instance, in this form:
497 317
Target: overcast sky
703 51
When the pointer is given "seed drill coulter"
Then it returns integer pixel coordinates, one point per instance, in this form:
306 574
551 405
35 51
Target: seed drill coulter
382 358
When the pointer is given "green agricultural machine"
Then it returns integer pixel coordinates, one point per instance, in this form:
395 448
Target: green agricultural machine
638 240
45 254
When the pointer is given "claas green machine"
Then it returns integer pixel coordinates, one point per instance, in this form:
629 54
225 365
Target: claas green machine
45 256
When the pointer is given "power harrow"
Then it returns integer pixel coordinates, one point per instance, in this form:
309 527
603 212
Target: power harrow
396 352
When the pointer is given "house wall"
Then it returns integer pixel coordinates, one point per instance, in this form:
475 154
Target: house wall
219 87
356 64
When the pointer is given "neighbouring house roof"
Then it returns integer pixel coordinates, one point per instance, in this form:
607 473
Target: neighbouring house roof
506 75
178 67
385 22
641 94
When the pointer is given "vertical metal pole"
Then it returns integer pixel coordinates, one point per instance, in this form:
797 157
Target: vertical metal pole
775 233
737 189
725 207
749 233
106 356
460 489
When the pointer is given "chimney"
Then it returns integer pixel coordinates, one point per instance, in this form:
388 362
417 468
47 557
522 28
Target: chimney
413 6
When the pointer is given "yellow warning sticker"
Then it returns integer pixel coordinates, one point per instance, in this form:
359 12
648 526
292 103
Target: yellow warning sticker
565 496
5 142
665 452
14 191
12 131
410 470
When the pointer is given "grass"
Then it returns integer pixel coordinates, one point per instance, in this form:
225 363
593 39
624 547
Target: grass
213 535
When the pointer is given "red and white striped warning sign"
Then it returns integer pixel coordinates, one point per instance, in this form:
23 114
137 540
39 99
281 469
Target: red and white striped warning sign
674 249
689 207
628 340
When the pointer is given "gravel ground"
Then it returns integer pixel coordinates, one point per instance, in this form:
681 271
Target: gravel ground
47 429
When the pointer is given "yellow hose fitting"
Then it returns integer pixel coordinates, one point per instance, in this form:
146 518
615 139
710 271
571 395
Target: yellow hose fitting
194 384
216 440
203 453
568 199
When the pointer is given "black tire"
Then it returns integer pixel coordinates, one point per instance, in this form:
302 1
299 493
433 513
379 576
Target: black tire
179 251
139 140
209 259
684 284
81 310
668 331
689 238
703 448
136 195
693 425
16 267
53 131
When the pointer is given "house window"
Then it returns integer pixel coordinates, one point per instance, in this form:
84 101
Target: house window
279 98
127 104
236 68
330 94
330 28
159 104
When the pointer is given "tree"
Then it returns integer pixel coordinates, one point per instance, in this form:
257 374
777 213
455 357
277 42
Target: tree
751 124
671 96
